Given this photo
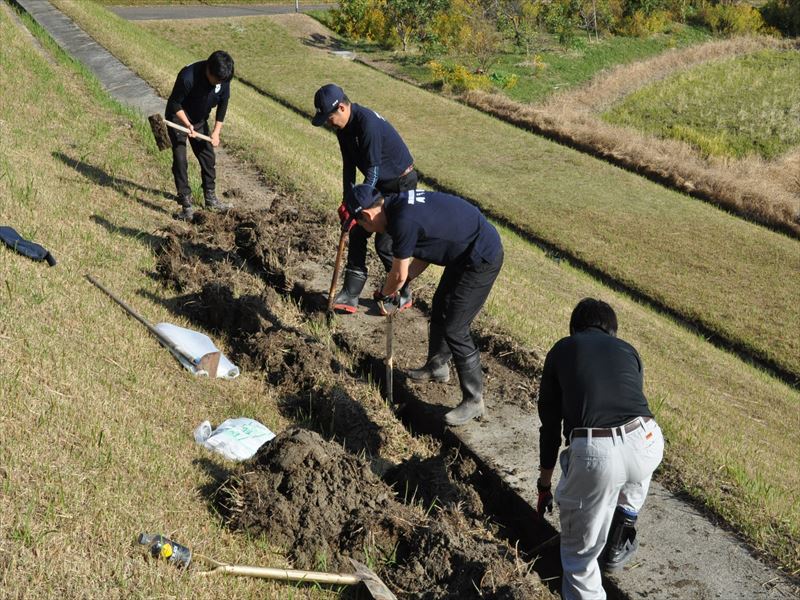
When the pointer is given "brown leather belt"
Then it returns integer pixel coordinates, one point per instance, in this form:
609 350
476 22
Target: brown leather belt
611 431
407 171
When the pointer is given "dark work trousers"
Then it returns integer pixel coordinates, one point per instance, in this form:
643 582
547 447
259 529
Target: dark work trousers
204 152
461 293
357 246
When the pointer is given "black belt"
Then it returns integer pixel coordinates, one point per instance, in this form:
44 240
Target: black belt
611 431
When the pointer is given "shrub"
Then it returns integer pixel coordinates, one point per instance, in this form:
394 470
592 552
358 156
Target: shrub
783 15
732 19
641 24
457 77
363 20
503 80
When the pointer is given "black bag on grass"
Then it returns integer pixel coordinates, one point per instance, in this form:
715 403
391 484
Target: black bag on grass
30 249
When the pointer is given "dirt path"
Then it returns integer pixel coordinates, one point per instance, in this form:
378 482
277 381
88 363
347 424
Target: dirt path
683 554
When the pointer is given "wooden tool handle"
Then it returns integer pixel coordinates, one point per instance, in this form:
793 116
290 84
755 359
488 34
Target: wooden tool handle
186 130
336 268
286 574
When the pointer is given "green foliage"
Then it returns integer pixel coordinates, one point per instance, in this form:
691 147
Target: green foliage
362 20
783 15
732 19
503 80
458 78
643 24
411 19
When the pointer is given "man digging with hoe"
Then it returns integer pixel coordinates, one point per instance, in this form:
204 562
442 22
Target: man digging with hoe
198 88
432 227
370 143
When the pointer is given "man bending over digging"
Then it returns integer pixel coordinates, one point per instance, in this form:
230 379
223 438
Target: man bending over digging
198 88
432 227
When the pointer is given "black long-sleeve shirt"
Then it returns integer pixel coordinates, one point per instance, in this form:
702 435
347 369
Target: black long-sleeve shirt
371 144
195 95
590 379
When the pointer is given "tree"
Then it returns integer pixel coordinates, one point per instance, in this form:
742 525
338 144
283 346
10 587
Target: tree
411 18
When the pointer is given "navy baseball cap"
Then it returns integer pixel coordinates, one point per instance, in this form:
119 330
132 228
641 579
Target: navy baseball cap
326 101
360 197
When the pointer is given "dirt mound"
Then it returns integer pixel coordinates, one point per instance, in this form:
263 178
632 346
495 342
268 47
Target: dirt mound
324 505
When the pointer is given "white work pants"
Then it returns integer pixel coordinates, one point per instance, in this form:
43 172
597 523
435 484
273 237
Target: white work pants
599 474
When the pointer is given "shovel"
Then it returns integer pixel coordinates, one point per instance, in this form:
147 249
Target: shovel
205 365
363 574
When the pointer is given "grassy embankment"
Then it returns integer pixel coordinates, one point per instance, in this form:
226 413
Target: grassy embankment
96 424
725 420
756 104
737 280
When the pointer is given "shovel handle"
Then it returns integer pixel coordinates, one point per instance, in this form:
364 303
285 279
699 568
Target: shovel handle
186 130
390 358
336 268
286 574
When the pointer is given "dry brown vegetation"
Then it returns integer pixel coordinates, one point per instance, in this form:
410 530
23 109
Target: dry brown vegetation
766 192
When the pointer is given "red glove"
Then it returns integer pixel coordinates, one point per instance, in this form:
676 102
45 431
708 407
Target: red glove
386 304
347 221
545 501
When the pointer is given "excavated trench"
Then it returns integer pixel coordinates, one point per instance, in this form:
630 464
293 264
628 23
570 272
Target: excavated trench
385 485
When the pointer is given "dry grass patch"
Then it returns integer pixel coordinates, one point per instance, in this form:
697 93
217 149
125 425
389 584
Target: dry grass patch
96 429
764 191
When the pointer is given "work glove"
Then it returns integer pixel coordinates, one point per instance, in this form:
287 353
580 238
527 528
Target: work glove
347 221
545 501
386 304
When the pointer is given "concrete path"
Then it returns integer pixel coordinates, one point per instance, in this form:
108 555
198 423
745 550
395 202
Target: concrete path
683 555
201 11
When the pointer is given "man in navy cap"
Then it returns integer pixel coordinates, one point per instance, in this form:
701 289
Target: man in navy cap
368 142
432 227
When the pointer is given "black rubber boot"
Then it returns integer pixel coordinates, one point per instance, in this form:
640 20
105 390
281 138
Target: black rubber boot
436 368
187 210
404 303
215 204
622 542
347 299
470 378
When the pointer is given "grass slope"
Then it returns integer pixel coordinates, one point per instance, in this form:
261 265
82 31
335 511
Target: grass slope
755 100
96 425
726 421
737 279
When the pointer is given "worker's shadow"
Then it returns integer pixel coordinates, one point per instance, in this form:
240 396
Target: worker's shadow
154 242
123 186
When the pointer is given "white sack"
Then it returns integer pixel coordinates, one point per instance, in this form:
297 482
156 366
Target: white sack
196 345
235 439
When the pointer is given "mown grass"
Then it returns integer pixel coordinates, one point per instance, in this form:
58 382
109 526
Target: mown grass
96 424
755 104
736 279
723 417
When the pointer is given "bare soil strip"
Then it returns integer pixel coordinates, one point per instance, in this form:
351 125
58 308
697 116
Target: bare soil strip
314 381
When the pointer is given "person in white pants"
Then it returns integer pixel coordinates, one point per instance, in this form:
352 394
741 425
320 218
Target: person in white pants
592 382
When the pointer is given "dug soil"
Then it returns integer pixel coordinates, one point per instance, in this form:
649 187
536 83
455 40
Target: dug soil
353 482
